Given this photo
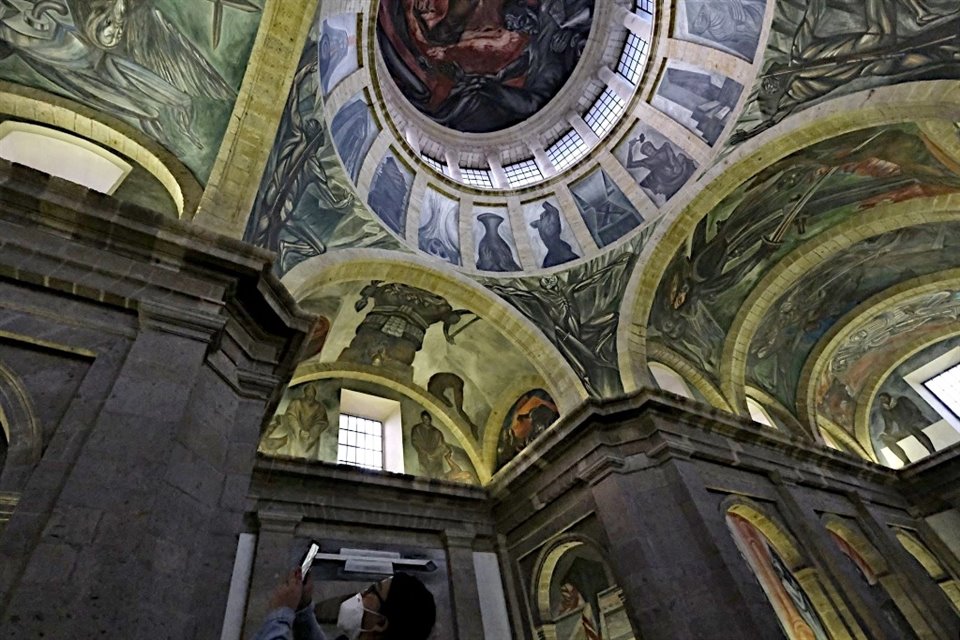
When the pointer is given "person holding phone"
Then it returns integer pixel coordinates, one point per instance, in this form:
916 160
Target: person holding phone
396 608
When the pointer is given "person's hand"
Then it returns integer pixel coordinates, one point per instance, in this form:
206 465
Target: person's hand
288 593
306 594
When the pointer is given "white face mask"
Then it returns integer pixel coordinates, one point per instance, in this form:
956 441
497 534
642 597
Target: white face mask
350 618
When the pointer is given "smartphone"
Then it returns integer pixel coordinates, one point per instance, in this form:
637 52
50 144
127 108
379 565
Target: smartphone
308 557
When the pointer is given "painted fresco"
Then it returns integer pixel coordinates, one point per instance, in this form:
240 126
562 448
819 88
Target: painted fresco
354 129
809 308
584 601
338 50
495 248
527 418
872 345
699 100
899 412
306 205
578 311
658 165
819 50
434 454
772 213
418 337
480 67
439 232
390 192
795 612
169 68
302 420
550 235
729 25
606 211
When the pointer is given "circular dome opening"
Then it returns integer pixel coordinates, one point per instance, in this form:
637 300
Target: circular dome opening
479 66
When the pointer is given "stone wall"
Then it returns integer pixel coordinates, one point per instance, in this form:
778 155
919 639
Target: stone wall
138 358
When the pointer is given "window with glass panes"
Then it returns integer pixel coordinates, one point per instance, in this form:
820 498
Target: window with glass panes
435 164
523 173
567 150
946 386
476 177
360 442
604 113
632 57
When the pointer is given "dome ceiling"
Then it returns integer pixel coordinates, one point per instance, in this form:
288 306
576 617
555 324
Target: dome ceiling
739 190
479 67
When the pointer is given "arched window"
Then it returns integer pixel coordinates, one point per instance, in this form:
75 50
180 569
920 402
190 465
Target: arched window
759 414
62 155
670 380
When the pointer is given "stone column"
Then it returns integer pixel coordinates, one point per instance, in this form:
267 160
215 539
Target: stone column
463 585
620 85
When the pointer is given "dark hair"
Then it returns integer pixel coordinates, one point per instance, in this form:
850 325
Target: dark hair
410 609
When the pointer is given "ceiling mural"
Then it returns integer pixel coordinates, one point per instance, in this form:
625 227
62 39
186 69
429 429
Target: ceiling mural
658 165
417 337
550 234
480 67
493 240
607 212
729 25
873 343
807 309
337 56
899 412
354 129
578 310
306 205
700 100
819 50
171 69
772 213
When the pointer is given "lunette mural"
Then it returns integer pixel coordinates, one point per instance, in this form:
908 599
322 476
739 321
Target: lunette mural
528 417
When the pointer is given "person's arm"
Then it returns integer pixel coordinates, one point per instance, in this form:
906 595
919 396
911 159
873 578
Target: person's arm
279 623
305 625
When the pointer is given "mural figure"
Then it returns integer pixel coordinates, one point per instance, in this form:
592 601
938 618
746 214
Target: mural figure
392 332
480 67
529 416
699 100
353 132
549 228
731 25
577 311
606 211
439 233
440 384
659 170
832 52
390 193
435 456
124 58
305 205
493 252
296 432
772 213
579 586
795 612
901 419
337 50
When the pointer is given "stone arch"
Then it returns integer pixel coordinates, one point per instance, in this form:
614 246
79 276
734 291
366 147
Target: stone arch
18 101
829 610
373 264
886 105
690 373
823 351
931 564
546 563
313 370
22 430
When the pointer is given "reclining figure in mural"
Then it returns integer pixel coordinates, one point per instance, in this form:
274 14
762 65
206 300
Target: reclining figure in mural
821 64
902 418
124 58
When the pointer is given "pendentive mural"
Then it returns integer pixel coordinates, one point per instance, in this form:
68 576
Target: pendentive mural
480 67
306 205
171 69
819 50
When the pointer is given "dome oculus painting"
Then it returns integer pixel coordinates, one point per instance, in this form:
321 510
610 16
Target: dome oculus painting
482 66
